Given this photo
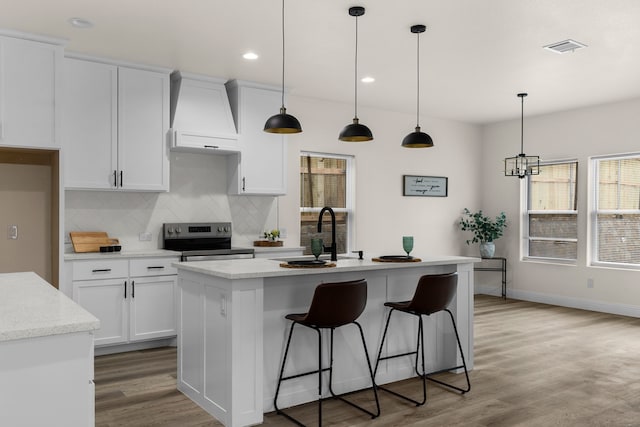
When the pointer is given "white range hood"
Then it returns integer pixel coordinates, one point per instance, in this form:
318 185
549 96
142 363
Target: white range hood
201 118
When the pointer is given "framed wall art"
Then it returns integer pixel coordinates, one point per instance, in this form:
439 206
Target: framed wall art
426 186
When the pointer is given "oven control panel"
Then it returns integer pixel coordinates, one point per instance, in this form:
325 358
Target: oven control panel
196 230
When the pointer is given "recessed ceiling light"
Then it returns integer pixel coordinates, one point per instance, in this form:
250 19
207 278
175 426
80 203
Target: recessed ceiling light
80 23
367 79
250 56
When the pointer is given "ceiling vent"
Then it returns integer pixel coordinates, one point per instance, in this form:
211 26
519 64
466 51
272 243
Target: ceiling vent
565 46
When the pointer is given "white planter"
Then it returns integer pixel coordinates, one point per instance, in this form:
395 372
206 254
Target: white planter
487 249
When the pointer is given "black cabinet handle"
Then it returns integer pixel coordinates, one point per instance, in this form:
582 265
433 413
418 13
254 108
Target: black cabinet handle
101 270
120 178
159 267
133 289
125 289
243 182
115 179
211 146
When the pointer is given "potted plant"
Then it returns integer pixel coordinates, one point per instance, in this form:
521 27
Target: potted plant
269 238
485 230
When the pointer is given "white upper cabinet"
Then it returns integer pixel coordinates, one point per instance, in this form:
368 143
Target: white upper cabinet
28 92
260 169
115 121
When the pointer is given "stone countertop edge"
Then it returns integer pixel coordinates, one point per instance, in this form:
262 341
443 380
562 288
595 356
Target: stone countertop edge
30 307
149 253
262 267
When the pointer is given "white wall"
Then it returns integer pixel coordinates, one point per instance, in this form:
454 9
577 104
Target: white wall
579 134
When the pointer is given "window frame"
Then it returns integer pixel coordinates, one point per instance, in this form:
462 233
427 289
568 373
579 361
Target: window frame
349 208
526 212
594 193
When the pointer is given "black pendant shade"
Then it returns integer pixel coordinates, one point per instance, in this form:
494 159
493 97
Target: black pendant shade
417 139
282 122
356 132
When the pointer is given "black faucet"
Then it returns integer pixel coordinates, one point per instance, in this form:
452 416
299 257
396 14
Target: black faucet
332 248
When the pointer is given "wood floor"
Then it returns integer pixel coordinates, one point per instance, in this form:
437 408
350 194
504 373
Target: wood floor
535 365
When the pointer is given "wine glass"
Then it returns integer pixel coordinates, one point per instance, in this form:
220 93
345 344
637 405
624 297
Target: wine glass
407 244
317 247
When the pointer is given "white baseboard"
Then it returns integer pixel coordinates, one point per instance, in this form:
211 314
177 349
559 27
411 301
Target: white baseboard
564 301
121 348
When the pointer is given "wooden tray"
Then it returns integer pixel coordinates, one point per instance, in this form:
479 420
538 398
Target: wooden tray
90 241
268 243
396 260
327 265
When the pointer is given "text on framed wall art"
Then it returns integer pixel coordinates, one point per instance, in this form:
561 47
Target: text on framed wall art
429 186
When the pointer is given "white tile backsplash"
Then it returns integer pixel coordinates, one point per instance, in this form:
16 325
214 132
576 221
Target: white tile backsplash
198 193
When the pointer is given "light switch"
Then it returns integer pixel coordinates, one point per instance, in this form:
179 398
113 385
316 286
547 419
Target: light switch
12 232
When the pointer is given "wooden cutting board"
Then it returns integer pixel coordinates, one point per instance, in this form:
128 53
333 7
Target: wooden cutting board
90 241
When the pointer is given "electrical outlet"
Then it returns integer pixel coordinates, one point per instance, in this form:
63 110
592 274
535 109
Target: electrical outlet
283 233
145 237
589 283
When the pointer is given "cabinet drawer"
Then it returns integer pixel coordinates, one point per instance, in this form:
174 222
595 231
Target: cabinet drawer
152 267
100 269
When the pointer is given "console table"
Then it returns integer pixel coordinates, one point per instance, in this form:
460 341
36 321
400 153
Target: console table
502 268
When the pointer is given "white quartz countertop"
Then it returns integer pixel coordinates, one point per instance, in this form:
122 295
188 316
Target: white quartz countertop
262 267
149 253
30 307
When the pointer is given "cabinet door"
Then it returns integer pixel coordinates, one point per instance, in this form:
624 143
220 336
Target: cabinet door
152 308
28 93
108 301
89 124
263 159
143 125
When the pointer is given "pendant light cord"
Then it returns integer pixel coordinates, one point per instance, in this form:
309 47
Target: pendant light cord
355 77
522 125
282 53
418 83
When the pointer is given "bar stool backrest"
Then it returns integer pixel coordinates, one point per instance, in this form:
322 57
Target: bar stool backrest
433 293
336 304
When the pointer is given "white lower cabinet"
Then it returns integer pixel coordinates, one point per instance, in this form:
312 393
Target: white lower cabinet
106 300
138 305
152 308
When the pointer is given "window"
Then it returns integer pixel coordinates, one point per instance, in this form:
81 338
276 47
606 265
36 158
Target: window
616 223
326 180
551 213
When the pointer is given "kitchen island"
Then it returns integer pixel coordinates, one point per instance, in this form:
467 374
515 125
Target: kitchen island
46 355
232 330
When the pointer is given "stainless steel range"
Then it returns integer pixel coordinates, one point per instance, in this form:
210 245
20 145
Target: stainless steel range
200 241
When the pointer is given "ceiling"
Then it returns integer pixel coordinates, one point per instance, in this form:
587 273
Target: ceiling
476 55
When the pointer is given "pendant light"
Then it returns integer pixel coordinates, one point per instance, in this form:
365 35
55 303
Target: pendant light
417 139
282 122
522 165
356 132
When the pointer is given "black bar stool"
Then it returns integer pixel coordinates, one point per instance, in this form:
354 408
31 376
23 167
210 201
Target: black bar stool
433 294
333 305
